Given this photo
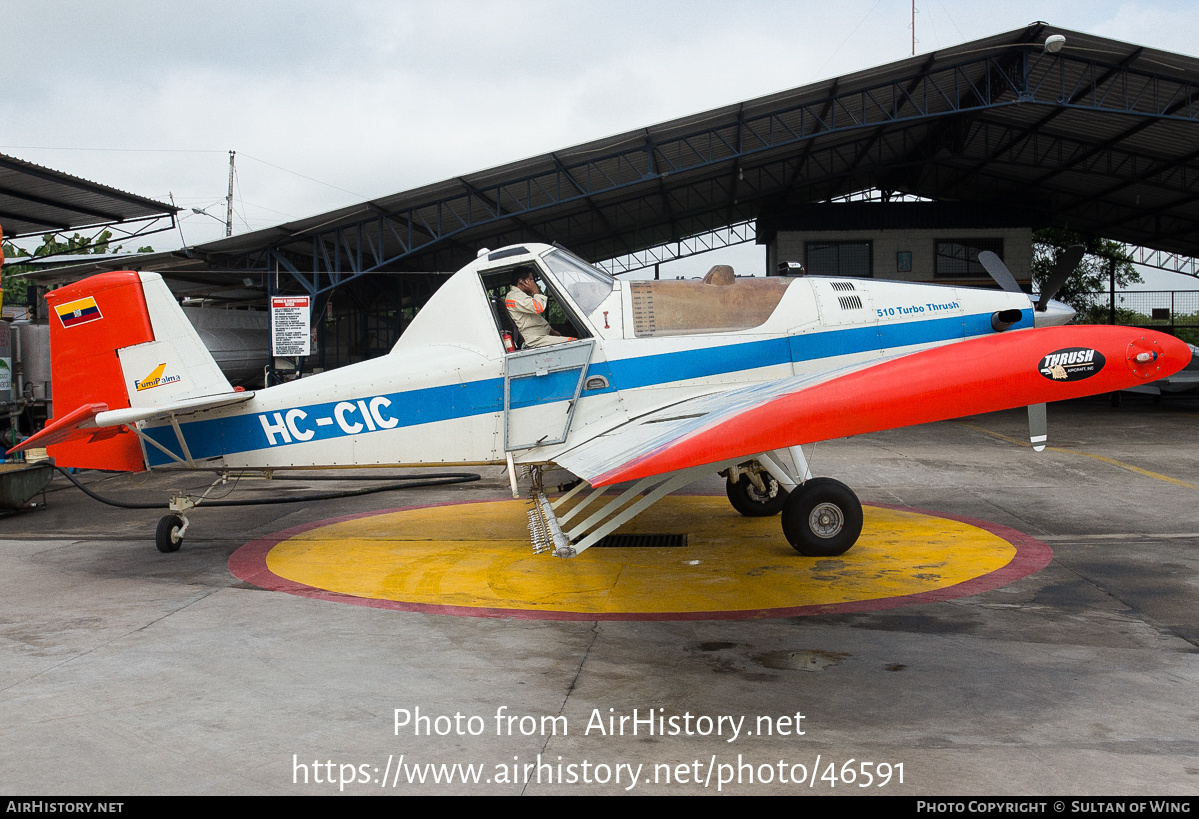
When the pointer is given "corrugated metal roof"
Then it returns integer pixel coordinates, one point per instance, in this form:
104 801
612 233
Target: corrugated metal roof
35 199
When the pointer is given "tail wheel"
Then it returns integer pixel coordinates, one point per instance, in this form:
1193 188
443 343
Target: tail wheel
823 518
752 502
166 536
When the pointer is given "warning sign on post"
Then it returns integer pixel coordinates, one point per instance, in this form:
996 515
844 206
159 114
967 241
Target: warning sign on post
291 323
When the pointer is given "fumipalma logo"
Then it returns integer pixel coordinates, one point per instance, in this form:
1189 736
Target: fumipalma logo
155 379
1072 364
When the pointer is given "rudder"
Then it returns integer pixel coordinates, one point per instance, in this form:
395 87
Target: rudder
120 340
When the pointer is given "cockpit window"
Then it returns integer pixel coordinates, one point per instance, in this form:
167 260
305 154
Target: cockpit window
499 286
587 286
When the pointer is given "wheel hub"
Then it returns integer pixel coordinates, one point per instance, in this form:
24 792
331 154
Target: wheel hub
826 520
772 489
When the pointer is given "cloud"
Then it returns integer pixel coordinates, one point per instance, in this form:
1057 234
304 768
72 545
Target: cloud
378 97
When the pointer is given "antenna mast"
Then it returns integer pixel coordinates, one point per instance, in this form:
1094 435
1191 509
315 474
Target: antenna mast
913 54
229 198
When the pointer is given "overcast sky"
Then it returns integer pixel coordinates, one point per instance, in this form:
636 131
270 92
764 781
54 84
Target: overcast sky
330 103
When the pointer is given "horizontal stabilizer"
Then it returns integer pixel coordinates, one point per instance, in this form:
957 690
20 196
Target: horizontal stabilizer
77 424
90 420
131 415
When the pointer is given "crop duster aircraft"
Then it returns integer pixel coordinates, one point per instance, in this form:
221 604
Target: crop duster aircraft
650 385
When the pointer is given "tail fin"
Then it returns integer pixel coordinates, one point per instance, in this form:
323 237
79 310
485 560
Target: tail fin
121 340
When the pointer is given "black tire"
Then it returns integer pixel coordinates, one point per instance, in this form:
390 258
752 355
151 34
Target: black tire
823 518
747 500
166 536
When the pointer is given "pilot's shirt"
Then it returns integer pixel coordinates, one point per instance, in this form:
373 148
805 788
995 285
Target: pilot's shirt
528 313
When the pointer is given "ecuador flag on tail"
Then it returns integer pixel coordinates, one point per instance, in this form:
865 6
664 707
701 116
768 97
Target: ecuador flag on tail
78 312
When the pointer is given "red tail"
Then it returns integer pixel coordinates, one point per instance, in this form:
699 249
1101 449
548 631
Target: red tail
89 322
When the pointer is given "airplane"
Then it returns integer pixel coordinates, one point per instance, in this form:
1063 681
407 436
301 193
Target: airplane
649 385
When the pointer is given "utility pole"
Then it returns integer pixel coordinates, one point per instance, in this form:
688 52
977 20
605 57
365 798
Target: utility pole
913 28
229 199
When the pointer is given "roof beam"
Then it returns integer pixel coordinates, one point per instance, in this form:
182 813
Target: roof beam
1035 128
586 196
807 149
921 75
1161 168
1106 144
499 209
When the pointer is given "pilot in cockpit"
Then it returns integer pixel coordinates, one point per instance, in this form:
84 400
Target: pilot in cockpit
526 304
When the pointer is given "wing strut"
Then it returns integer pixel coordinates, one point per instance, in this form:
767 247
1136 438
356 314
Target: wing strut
186 460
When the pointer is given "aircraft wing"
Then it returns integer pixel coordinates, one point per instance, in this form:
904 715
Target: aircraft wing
97 419
980 375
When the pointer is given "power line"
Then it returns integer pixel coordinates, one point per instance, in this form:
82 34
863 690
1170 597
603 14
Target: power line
309 178
118 150
180 151
846 40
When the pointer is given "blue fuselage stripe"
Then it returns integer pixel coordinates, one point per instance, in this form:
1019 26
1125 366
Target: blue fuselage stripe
318 422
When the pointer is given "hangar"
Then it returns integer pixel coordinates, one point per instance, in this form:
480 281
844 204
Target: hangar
1037 127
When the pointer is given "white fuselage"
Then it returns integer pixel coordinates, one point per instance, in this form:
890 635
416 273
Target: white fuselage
439 396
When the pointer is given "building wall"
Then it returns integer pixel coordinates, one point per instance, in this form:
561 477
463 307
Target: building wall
921 243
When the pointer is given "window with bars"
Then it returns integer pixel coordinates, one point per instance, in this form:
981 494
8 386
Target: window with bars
958 258
839 259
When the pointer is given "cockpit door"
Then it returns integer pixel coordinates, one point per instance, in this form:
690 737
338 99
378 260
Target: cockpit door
541 389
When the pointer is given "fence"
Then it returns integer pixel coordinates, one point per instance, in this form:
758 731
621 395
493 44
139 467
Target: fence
1170 311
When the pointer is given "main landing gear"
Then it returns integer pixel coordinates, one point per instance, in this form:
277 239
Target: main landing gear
821 517
756 496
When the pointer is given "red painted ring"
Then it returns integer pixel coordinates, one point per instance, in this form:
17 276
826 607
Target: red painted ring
249 564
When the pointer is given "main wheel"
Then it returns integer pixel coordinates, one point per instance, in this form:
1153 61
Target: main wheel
166 536
749 501
823 518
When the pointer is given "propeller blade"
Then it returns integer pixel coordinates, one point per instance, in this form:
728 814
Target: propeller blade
1066 262
999 272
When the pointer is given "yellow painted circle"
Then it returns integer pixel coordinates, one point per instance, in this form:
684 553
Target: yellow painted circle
477 556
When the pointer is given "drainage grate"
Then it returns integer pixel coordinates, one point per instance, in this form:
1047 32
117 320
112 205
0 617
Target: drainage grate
643 541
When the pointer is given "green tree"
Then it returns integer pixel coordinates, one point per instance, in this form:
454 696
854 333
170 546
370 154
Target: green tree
14 288
1091 276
